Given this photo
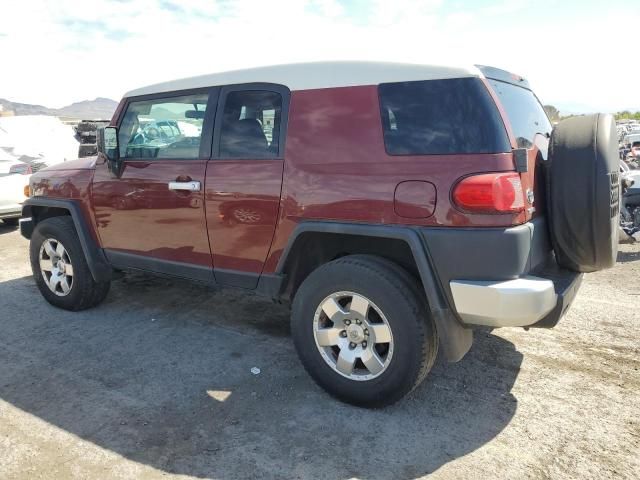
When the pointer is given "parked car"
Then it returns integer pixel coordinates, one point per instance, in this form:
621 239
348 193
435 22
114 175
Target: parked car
630 138
395 207
14 177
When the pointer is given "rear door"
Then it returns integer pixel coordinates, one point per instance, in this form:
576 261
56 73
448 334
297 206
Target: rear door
152 217
244 180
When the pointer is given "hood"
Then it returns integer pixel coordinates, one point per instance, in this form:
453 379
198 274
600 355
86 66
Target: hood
87 163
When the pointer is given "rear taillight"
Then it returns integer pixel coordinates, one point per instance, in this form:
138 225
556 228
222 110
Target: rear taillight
490 193
20 169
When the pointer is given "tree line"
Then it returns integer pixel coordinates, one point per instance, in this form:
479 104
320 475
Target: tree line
554 114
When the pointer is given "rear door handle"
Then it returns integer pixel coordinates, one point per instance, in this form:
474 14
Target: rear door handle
188 186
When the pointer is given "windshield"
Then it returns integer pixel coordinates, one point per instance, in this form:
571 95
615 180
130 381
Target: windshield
526 115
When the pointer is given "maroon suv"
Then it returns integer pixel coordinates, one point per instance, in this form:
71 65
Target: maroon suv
396 206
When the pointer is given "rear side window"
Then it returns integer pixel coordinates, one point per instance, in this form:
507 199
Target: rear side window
251 124
439 117
526 115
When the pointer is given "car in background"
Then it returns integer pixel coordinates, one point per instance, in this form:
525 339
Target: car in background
14 178
631 138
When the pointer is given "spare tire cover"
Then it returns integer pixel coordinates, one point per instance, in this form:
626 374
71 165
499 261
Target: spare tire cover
584 192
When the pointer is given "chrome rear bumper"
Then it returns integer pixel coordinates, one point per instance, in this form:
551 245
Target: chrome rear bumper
510 303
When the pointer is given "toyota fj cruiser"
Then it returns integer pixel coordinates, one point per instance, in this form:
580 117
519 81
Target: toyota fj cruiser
395 206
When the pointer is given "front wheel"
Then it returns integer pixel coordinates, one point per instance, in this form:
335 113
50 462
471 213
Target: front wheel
60 268
362 330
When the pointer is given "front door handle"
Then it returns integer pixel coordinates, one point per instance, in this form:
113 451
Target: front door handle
188 186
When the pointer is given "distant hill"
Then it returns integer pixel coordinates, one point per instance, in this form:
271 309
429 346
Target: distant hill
25 108
98 109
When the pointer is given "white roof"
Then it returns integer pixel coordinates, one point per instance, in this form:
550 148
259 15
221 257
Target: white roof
305 76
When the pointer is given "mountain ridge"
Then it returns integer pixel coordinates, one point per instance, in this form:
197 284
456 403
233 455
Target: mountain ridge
100 108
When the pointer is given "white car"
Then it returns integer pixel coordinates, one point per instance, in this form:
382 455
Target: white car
626 172
14 177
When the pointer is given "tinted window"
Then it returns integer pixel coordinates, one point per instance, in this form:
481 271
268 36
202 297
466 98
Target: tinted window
525 113
251 124
163 128
441 117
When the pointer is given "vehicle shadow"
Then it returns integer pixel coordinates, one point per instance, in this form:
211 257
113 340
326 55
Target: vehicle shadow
161 375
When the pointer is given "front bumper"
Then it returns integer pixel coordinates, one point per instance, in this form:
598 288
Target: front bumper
26 227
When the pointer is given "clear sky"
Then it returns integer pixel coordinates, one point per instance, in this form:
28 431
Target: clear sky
579 55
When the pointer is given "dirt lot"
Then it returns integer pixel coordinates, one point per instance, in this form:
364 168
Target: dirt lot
156 382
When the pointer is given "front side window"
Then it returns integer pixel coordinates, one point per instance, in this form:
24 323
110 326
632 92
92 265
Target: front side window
250 125
526 115
440 117
166 128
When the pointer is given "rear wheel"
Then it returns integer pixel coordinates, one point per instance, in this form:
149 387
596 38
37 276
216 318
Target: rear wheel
60 268
11 222
362 330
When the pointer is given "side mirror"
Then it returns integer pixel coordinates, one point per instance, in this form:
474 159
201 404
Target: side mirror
108 148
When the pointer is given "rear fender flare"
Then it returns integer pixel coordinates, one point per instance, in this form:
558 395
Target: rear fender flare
454 338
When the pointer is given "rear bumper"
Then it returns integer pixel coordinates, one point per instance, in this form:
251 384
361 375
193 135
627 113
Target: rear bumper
522 302
511 303
501 277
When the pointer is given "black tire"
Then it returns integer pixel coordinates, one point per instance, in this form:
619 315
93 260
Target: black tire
584 192
85 292
11 222
397 294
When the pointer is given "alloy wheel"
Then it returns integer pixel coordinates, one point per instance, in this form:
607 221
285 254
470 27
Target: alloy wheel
353 336
56 267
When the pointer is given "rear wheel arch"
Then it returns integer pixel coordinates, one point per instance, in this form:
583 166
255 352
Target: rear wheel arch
313 244
312 249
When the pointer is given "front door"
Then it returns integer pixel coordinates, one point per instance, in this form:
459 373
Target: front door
244 180
152 216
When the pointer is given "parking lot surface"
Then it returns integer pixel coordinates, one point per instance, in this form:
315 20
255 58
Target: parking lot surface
157 382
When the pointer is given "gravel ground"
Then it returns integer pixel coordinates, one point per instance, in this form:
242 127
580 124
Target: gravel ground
156 383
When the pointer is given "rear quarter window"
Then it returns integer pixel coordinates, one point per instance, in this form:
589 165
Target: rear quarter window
526 115
439 117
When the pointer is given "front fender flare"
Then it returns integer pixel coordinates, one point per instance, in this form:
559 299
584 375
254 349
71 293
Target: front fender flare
100 268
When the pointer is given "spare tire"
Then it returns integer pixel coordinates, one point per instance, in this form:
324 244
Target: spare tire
584 192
